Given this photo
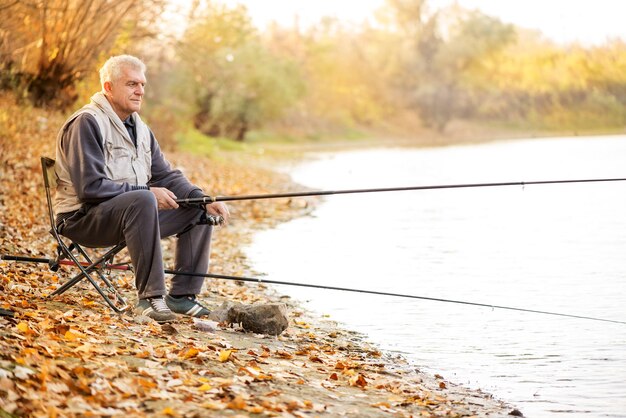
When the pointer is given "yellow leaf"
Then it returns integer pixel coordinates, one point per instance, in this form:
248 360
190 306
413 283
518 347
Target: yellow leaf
53 54
302 324
23 327
205 387
71 336
169 412
189 353
225 355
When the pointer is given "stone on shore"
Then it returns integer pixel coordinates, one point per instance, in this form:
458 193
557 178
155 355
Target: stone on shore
268 318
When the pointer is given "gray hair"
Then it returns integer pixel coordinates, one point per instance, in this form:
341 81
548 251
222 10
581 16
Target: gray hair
112 68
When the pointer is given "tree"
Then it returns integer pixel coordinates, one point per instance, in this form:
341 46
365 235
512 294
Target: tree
450 73
46 46
236 82
535 82
438 54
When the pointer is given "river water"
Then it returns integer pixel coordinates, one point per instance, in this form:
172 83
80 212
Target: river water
558 248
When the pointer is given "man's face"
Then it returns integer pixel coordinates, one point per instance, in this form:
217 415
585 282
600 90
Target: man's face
125 93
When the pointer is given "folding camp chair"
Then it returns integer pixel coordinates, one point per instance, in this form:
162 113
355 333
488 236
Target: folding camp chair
87 267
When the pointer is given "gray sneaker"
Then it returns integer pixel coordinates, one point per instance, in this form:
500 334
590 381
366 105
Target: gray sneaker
155 308
187 305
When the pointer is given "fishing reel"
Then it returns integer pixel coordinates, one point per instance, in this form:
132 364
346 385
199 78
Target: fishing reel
208 219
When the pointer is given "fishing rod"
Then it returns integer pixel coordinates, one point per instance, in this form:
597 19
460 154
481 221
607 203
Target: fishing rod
259 280
212 199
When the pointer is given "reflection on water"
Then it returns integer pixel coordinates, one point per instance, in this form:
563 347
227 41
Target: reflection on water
559 248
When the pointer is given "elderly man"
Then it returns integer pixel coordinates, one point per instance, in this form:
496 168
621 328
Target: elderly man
114 185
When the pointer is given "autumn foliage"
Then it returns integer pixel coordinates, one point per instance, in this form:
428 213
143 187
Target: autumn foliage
409 66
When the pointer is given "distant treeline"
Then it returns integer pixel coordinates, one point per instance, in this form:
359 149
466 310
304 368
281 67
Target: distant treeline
225 77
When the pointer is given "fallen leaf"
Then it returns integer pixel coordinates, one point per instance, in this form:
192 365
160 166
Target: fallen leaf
358 380
272 393
214 406
224 355
236 403
340 366
59 329
85 348
148 384
22 372
24 328
169 412
205 387
174 382
284 354
73 335
57 387
189 353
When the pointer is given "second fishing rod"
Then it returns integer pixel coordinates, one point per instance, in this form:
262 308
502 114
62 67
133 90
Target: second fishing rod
259 280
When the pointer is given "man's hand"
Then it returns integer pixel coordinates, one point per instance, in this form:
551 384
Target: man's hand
219 209
165 198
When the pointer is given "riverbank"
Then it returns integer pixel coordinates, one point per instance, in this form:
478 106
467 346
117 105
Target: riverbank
71 356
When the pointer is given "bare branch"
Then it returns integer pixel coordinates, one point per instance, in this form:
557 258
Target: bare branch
9 5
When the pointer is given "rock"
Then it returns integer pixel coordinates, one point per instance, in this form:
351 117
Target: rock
261 318
204 325
516 413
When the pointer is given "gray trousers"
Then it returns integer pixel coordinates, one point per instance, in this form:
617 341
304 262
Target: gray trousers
134 217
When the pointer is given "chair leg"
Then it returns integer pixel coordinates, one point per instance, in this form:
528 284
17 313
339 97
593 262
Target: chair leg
101 261
85 272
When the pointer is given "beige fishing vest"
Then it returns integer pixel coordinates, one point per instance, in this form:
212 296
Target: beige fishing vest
124 163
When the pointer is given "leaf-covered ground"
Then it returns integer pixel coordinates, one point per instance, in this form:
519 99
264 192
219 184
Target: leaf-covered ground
70 356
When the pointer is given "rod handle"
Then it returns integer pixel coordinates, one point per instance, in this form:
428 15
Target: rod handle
196 200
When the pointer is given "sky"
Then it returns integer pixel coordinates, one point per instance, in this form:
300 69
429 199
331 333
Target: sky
585 21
